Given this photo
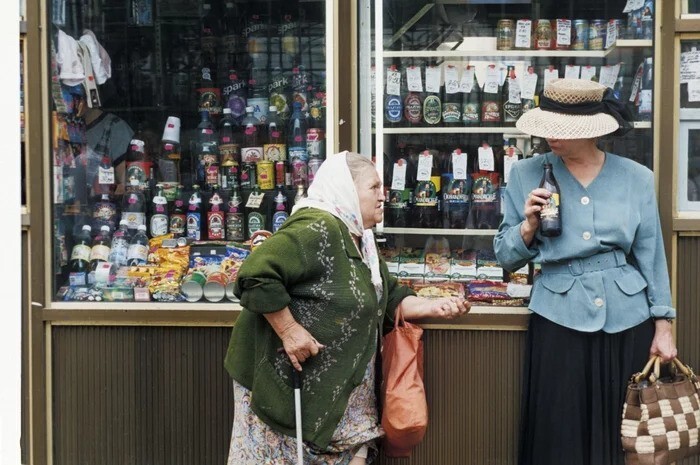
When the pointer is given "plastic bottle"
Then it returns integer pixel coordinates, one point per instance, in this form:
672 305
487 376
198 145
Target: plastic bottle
252 146
194 215
296 134
120 245
275 148
278 89
137 253
100 247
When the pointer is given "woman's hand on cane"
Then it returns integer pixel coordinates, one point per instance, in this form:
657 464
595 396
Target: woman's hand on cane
299 344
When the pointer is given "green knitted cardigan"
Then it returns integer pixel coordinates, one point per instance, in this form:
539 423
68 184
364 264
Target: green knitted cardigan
311 265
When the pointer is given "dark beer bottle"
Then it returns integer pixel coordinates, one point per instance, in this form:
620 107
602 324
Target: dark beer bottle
471 104
178 217
550 216
393 104
432 105
491 103
413 103
452 99
512 103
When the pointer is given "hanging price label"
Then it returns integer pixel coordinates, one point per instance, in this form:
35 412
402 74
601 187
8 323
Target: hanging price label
549 74
492 80
465 84
608 75
451 80
486 160
459 164
393 82
255 200
425 166
588 72
105 175
414 78
432 78
509 159
398 179
523 33
611 36
529 84
572 72
514 90
563 32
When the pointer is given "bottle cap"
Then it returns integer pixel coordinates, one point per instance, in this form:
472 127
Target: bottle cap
273 108
125 222
171 131
227 111
87 227
142 227
104 228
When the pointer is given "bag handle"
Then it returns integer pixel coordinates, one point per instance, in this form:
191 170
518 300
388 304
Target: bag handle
655 362
398 317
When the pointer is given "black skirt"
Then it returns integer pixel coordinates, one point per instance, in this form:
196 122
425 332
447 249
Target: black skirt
573 390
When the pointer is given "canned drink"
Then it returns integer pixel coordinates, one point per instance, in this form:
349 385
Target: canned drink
280 172
300 174
543 34
313 166
316 142
275 152
597 30
505 34
248 176
266 175
579 32
215 287
192 286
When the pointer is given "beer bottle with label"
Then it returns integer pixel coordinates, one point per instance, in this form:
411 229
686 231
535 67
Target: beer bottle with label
484 210
170 152
456 193
396 211
229 148
413 101
120 245
235 222
230 30
178 216
134 206
426 203
279 94
137 254
209 93
281 214
159 213
100 248
393 105
138 163
550 215
452 98
194 215
252 147
104 213
255 211
471 104
80 255
512 103
432 104
529 103
215 216
300 86
206 150
491 102
276 148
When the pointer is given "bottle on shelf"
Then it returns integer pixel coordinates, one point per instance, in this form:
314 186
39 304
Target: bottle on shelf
456 192
255 211
256 38
529 101
80 255
210 31
159 213
137 254
234 95
432 104
491 100
252 146
393 104
100 247
209 94
484 210
178 215
289 40
138 163
104 182
258 98
511 155
229 149
452 98
279 94
170 152
398 201
206 151
215 216
281 213
104 212
275 148
550 215
413 100
471 102
426 203
296 134
644 104
134 206
512 103
230 32
194 215
235 220
300 193
120 245
300 87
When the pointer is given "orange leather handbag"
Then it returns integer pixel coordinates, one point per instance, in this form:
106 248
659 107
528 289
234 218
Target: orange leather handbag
405 410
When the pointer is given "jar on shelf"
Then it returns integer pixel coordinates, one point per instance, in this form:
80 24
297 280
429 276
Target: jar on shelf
505 34
543 35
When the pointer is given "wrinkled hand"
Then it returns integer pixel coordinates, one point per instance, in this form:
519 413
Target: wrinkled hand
448 307
299 344
533 206
662 344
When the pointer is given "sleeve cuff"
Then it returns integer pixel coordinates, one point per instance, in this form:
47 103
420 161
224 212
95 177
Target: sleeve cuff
662 311
263 297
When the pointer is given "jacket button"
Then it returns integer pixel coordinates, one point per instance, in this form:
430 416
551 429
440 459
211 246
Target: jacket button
585 200
599 302
586 235
379 312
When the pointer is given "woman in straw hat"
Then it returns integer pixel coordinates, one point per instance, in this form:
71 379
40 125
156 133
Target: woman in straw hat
602 304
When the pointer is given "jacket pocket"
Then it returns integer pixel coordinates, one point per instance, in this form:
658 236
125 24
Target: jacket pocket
631 283
557 283
272 397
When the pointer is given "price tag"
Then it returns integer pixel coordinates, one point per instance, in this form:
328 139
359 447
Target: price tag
588 72
694 91
637 83
608 75
563 31
106 175
572 72
451 80
486 160
529 84
393 82
465 84
398 179
514 90
645 101
509 159
492 80
549 74
523 33
425 166
432 78
633 5
611 36
414 78
255 200
459 164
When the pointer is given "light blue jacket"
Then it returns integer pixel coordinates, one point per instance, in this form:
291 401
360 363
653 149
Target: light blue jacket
616 212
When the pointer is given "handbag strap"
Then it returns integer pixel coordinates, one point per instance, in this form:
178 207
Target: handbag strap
655 362
398 317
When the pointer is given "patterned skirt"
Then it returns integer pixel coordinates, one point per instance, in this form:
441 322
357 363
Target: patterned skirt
254 443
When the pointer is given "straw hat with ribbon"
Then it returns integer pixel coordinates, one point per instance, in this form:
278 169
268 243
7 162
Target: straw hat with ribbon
576 109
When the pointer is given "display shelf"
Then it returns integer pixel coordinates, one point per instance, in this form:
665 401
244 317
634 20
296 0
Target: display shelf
439 231
507 130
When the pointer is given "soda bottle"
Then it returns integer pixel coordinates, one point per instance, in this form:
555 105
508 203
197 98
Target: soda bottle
159 213
279 94
194 215
255 35
235 222
393 104
80 255
289 38
281 214
252 146
137 254
296 135
134 206
471 102
138 163
206 150
100 248
215 216
452 99
413 102
258 98
276 148
178 217
234 95
120 245
491 103
512 103
229 148
170 152
255 212
550 215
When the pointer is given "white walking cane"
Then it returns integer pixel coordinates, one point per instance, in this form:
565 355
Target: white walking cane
296 380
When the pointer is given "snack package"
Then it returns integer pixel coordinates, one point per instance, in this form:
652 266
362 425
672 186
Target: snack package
463 265
391 258
412 264
437 259
439 289
487 266
482 290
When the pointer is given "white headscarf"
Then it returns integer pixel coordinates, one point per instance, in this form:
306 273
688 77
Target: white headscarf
333 190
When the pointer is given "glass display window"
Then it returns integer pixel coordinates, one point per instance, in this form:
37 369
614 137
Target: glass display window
180 130
688 193
441 89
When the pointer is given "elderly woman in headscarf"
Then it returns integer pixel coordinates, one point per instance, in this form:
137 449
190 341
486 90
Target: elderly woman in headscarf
318 289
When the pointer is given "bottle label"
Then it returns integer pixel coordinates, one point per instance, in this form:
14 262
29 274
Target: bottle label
471 113
138 170
134 219
275 152
99 252
177 224
138 253
252 154
484 189
451 112
104 213
298 153
255 222
229 154
426 194
255 200
234 227
119 252
278 220
211 173
394 108
159 225
237 105
279 100
491 113
512 111
432 109
551 210
105 175
80 252
215 223
209 100
260 106
194 225
413 109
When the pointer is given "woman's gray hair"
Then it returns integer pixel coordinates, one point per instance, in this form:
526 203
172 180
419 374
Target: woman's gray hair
357 164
